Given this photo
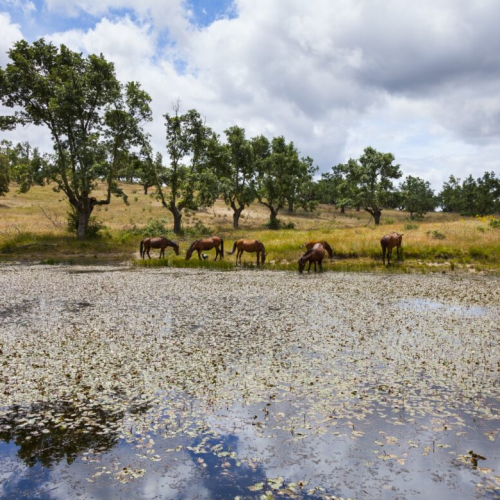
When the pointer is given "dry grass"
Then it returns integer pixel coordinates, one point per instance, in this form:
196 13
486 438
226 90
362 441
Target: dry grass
33 226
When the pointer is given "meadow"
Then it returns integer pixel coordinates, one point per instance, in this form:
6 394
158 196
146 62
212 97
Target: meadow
33 228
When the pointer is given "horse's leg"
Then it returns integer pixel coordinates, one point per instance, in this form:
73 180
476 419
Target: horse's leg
199 254
309 268
216 252
320 266
148 250
258 259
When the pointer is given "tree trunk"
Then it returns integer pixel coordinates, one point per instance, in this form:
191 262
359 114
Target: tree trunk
290 206
236 217
83 222
273 220
146 187
177 222
376 216
358 208
342 209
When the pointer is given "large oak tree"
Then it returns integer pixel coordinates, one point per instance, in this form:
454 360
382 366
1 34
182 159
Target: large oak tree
92 118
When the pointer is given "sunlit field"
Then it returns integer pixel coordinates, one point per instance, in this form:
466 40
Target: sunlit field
33 226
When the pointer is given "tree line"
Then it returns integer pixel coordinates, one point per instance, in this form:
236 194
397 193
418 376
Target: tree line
97 125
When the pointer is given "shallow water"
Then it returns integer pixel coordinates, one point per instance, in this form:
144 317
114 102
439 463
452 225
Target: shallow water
249 385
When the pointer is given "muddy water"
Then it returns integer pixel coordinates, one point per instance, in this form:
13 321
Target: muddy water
164 384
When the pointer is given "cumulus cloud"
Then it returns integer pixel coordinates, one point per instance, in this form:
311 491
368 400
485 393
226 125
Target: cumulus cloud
11 33
417 79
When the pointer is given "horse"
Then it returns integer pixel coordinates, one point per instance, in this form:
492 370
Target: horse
249 246
207 244
310 244
161 242
316 255
388 242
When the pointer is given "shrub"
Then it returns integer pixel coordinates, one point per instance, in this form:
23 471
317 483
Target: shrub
437 235
279 224
495 223
94 228
155 227
389 221
409 226
198 229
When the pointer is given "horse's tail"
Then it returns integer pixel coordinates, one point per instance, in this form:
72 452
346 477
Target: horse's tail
222 247
234 249
141 249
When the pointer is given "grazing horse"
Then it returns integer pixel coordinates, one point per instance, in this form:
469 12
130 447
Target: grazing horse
207 244
161 242
310 244
388 242
249 246
316 255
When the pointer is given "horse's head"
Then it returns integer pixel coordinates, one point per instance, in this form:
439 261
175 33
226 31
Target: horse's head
176 248
302 264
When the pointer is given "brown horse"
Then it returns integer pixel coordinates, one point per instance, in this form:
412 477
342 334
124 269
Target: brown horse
388 242
207 244
249 246
161 242
315 255
310 244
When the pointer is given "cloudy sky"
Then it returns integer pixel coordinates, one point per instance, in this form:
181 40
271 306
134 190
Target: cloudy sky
418 79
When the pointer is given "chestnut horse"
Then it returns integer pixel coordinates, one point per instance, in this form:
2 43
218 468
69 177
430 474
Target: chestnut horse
310 244
249 246
207 244
388 242
316 255
161 242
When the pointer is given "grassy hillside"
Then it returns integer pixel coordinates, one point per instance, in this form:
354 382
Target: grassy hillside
33 227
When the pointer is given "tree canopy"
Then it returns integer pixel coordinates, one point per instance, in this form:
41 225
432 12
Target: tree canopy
92 118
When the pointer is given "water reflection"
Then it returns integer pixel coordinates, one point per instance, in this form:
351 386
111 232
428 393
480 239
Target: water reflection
47 433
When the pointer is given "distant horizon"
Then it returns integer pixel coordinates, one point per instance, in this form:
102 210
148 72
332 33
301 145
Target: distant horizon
419 81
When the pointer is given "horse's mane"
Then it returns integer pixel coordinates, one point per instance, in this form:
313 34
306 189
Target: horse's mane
192 245
309 252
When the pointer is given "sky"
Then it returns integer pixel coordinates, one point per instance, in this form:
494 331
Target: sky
418 79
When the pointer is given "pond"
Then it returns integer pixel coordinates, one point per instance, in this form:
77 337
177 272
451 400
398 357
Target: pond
183 384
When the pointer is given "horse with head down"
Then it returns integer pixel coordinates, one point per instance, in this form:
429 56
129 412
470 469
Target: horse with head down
310 244
315 255
253 246
161 242
388 242
207 244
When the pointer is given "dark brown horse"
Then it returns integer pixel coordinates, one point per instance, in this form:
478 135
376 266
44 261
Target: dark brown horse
315 255
388 242
310 244
207 244
161 242
249 246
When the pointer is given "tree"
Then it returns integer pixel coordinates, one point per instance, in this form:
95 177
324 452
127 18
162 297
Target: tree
416 196
282 176
93 119
238 172
4 167
372 177
471 196
190 179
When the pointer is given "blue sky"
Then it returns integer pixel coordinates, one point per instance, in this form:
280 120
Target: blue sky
418 79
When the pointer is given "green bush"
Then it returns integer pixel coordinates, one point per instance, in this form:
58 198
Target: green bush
437 235
198 229
389 221
94 229
495 223
279 224
155 227
409 226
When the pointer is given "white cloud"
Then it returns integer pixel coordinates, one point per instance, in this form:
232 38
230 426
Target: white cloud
10 33
418 79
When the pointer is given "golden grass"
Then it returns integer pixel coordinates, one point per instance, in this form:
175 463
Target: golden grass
33 226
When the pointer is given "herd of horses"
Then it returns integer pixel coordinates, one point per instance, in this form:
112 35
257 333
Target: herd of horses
315 250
